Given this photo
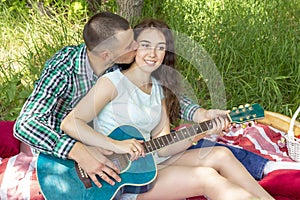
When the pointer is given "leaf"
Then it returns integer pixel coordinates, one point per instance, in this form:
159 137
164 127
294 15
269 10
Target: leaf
77 6
11 90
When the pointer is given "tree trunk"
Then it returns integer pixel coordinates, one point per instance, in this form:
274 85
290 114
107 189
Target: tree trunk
94 5
130 9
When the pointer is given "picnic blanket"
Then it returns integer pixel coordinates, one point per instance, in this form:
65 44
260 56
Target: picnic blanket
18 173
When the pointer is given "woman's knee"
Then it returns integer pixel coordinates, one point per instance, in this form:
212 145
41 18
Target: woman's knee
207 177
221 153
206 173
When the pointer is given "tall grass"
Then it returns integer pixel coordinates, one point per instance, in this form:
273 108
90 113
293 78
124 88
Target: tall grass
29 38
253 44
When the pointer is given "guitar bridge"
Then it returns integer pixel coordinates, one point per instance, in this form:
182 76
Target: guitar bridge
82 175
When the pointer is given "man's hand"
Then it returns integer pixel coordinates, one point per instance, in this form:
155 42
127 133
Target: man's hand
94 162
220 121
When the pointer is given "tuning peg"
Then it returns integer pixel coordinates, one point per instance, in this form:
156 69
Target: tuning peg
248 117
248 106
244 126
241 107
235 109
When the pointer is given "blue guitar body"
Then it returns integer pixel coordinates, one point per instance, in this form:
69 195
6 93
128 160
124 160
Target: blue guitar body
58 178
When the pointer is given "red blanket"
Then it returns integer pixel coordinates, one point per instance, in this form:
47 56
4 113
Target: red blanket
18 178
267 142
260 139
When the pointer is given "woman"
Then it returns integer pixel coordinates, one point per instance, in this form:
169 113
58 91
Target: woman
144 95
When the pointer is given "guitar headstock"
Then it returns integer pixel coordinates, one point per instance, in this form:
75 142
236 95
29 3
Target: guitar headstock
246 113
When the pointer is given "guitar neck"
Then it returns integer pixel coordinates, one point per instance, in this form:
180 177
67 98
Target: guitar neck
237 115
176 136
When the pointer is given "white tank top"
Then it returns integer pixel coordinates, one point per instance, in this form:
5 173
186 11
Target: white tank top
131 106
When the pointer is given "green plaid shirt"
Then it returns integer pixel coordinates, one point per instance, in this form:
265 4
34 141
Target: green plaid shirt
66 78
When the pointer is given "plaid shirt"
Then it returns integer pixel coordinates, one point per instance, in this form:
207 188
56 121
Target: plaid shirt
66 78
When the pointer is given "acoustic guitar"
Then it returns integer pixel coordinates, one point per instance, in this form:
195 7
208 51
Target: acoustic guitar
64 179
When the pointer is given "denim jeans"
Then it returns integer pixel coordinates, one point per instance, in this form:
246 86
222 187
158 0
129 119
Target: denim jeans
254 163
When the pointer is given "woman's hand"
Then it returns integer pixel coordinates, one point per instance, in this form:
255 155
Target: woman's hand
131 146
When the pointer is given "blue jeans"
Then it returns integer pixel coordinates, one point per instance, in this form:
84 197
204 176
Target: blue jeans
252 162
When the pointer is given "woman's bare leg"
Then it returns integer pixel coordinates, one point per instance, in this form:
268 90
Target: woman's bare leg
179 182
223 161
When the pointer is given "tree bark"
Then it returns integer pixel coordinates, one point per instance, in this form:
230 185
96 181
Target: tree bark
130 9
94 5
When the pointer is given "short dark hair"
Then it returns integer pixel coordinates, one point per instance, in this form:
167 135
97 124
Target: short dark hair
102 26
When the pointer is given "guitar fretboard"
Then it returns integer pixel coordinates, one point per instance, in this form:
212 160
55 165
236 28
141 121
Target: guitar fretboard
176 136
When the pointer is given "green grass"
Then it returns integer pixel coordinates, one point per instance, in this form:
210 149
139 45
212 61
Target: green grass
29 39
249 49
254 44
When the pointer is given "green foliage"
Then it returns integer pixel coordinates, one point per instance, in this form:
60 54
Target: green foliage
254 45
30 37
70 8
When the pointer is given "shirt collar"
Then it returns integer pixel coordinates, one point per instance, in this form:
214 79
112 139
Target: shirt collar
89 70
83 66
80 61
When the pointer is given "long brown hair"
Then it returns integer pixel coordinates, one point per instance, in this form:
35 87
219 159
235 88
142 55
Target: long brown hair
166 73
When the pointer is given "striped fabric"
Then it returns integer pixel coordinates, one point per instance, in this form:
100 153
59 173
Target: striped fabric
263 140
18 177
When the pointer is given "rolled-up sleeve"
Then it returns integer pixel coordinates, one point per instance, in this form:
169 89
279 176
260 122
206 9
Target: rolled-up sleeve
187 108
35 125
